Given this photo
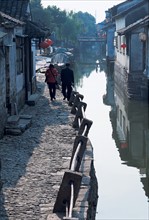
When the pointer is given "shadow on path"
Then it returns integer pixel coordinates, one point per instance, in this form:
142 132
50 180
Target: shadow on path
26 156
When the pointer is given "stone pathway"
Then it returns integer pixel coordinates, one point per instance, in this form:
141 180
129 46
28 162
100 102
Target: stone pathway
32 165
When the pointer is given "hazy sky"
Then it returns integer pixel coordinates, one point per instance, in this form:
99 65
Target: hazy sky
95 7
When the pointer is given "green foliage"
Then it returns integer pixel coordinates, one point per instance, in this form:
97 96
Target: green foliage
66 26
87 21
37 11
36 3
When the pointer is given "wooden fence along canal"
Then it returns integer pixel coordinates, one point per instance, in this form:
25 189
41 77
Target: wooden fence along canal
73 179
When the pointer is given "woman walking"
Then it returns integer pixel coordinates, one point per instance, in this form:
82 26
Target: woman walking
51 75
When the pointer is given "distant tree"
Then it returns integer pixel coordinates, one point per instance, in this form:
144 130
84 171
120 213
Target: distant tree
56 18
71 28
66 26
37 11
36 3
87 22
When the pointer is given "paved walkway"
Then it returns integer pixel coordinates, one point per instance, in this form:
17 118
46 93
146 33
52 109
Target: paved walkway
32 165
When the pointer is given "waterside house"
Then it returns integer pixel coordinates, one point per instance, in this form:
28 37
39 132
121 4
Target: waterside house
17 57
127 31
132 49
131 72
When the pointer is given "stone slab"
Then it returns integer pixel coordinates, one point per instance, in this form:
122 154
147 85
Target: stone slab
13 119
33 99
26 116
13 132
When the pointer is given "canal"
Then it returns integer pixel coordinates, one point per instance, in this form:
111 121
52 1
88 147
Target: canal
121 163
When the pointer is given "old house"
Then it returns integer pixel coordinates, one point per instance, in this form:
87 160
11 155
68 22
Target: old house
17 51
131 65
132 49
131 75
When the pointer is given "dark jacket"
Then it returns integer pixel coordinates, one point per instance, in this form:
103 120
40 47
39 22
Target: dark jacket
67 76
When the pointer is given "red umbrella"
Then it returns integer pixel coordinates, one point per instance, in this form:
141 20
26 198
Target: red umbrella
44 44
49 42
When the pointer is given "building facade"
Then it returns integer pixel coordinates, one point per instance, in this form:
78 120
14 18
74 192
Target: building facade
17 60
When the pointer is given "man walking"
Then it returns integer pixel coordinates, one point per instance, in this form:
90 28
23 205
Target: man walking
67 78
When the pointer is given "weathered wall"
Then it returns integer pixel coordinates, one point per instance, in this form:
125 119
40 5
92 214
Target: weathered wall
133 86
3 113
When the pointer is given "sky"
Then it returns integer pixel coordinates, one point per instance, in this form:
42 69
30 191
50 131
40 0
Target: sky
96 8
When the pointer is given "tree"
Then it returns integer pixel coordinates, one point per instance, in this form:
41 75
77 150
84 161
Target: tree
87 22
37 11
66 26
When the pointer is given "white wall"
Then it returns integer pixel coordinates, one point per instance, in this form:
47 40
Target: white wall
147 71
120 23
2 81
34 57
120 56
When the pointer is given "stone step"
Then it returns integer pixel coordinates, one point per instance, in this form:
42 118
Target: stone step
32 100
13 131
18 128
13 119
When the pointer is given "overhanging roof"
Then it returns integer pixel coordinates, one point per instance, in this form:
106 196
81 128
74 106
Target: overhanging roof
15 8
7 18
33 30
130 7
141 22
15 12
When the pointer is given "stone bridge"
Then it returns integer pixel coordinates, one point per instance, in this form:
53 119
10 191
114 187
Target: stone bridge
91 39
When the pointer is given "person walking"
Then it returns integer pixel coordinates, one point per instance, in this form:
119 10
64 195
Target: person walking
51 75
67 79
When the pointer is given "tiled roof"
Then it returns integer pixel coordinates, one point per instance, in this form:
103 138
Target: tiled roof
35 30
141 22
5 18
15 8
14 12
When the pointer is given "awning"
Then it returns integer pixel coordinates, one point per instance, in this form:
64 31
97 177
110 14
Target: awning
34 30
2 34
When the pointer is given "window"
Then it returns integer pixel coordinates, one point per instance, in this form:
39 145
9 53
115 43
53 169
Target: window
123 44
124 125
116 42
118 113
121 118
19 54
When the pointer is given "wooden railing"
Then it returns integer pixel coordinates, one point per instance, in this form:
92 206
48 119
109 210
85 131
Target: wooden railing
71 182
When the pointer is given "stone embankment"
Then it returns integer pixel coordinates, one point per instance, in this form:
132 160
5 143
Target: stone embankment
33 163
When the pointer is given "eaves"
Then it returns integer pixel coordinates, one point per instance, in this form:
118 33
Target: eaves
34 30
140 23
6 18
125 12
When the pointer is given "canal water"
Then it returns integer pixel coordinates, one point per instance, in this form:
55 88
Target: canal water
122 182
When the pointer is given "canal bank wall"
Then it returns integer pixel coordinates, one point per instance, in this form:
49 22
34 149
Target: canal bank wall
33 163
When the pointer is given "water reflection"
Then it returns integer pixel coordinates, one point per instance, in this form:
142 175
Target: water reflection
120 139
85 64
130 122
